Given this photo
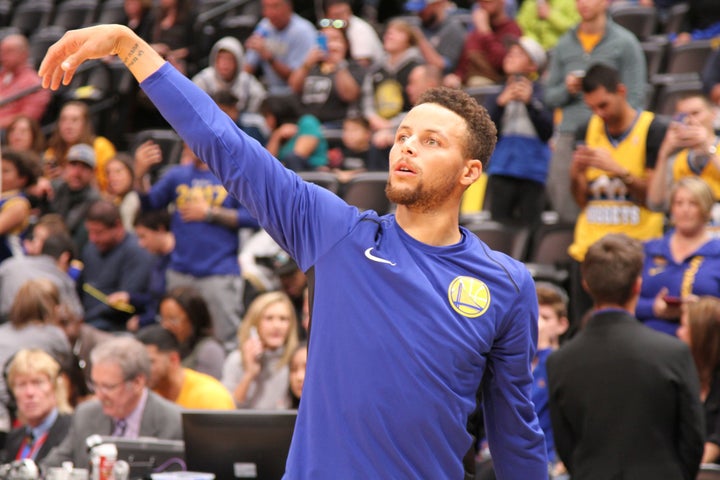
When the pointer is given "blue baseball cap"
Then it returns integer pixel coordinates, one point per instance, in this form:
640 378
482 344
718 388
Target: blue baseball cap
418 5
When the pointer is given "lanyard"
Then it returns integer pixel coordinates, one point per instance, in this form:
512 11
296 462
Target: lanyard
29 448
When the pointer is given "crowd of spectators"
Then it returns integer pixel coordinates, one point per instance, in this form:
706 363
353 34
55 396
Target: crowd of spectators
113 239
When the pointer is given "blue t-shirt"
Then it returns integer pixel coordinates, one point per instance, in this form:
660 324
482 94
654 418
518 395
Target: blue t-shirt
403 333
201 248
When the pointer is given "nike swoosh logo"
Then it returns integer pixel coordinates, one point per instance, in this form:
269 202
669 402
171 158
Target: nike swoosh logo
370 256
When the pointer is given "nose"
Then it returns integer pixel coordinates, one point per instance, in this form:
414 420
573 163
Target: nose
409 144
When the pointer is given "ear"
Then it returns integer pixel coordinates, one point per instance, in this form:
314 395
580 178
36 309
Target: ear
564 325
637 287
174 358
64 261
471 172
622 89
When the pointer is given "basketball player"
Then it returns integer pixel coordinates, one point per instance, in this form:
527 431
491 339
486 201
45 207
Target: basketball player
411 313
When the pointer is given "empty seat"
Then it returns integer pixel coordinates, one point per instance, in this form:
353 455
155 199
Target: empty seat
688 58
676 18
111 11
238 26
654 49
548 257
509 238
31 15
72 14
41 40
367 192
324 179
640 20
5 31
6 10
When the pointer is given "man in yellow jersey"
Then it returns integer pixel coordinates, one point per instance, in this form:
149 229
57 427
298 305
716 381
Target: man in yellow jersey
612 165
596 39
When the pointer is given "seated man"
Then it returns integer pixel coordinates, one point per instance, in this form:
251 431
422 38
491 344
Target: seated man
184 386
35 380
123 407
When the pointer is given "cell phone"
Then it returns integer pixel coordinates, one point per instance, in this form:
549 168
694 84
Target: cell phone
680 118
322 42
672 301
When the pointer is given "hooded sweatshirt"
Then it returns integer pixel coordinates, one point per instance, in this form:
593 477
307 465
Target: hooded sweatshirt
244 86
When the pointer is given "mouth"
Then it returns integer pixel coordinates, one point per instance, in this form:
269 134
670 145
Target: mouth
404 168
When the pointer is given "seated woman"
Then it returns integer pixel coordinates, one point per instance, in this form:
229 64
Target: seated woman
33 321
40 390
184 312
329 80
19 171
296 140
24 134
685 262
75 126
700 329
120 173
298 365
257 373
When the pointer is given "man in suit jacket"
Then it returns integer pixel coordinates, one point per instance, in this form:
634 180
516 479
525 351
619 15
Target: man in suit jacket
33 377
624 399
124 406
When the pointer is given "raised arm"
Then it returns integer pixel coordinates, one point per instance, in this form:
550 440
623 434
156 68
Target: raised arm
77 46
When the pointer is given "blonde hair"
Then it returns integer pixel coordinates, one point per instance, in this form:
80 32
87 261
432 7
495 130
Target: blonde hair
31 361
405 27
700 191
255 313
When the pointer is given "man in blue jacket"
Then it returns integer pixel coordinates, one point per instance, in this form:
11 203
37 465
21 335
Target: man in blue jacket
411 313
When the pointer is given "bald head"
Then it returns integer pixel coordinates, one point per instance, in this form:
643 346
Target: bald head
14 52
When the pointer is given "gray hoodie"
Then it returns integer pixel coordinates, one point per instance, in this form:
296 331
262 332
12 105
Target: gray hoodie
244 86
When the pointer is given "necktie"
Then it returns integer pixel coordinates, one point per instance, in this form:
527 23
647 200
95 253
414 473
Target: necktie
28 445
120 427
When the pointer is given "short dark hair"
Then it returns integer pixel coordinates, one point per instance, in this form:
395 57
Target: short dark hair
225 97
160 337
601 75
27 164
611 267
285 108
481 134
105 212
153 219
58 243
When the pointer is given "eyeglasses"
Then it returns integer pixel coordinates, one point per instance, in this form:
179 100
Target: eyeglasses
332 22
104 388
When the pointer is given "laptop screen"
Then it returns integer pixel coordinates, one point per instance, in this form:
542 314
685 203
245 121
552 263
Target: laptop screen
238 444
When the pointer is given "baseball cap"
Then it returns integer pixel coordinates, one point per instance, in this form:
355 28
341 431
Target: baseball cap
534 50
82 152
417 5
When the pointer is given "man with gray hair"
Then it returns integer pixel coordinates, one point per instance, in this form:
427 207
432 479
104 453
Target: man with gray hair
123 407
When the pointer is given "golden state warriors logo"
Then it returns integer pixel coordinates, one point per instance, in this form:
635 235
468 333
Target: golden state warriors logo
469 296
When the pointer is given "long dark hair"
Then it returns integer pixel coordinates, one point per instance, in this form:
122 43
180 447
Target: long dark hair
196 309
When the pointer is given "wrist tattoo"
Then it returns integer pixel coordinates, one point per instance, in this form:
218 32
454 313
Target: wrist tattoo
133 55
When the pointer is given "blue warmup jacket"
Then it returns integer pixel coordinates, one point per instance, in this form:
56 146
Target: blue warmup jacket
403 333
